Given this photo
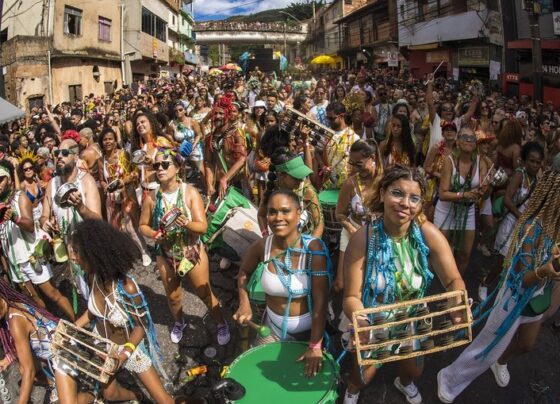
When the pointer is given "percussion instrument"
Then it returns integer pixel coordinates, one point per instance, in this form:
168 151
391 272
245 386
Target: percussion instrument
113 186
292 120
499 178
138 157
86 352
271 371
235 222
412 328
167 221
328 199
63 192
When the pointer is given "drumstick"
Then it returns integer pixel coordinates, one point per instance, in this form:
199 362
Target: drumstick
262 330
435 71
487 175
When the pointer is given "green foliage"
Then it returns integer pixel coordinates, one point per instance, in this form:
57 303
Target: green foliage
213 54
301 10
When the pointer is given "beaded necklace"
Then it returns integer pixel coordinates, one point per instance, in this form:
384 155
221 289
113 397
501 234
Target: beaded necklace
381 257
175 237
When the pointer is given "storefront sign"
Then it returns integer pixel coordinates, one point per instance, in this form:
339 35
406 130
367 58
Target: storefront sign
556 22
437 56
512 77
393 59
551 70
474 56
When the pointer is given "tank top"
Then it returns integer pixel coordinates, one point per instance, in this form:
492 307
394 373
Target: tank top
143 172
17 243
475 181
66 217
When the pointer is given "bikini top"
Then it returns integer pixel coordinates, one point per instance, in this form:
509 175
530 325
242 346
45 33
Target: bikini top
34 198
40 338
114 313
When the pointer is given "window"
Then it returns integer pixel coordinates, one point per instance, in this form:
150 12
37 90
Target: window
72 21
75 93
35 102
153 25
104 29
108 87
4 35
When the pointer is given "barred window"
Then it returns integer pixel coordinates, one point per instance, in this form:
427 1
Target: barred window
105 29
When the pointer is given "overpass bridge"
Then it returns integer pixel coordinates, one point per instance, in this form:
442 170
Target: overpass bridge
252 33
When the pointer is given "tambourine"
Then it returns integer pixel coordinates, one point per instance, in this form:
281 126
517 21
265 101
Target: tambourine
139 157
168 220
63 192
113 186
499 178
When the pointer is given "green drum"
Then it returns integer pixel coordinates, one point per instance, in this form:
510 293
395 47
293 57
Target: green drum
328 199
216 220
271 375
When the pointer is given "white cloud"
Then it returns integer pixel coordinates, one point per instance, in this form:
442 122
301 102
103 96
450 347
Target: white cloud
221 8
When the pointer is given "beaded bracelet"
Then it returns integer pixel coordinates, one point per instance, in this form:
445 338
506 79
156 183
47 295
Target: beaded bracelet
131 346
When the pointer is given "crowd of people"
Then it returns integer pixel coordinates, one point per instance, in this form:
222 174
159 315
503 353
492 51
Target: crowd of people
392 178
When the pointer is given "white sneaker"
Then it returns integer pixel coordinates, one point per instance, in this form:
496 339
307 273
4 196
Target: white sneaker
177 331
482 292
411 391
440 393
350 398
146 260
501 373
225 263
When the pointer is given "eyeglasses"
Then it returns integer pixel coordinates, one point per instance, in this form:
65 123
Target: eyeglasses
64 152
163 164
400 196
468 138
28 168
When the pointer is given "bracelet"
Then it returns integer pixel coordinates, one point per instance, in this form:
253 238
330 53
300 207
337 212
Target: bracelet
538 276
317 345
459 195
131 346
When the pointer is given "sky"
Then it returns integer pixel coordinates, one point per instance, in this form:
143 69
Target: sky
219 9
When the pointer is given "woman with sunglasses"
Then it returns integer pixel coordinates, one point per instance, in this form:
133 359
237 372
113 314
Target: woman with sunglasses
121 204
30 185
363 162
290 172
294 271
393 259
187 128
147 136
462 184
179 250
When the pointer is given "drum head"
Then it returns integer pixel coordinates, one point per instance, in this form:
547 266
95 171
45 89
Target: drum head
329 197
62 193
271 371
138 157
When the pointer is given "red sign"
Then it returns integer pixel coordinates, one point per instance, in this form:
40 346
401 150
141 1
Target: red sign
512 77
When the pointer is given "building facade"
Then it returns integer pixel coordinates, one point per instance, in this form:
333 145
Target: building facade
466 35
518 75
60 50
369 34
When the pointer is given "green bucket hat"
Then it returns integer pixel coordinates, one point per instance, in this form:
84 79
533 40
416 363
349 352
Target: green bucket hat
295 168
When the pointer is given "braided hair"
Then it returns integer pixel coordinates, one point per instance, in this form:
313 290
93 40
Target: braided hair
543 206
13 298
280 156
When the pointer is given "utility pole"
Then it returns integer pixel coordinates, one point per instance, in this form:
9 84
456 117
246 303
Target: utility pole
533 8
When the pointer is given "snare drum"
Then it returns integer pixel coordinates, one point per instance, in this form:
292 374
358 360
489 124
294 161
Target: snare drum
235 222
328 199
270 373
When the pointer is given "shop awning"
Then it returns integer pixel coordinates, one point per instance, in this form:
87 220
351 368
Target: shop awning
9 112
426 46
528 44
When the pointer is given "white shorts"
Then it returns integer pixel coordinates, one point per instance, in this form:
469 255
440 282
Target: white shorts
37 274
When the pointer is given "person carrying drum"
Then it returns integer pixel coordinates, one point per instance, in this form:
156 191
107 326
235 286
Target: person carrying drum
179 250
391 260
293 271
292 174
225 150
364 162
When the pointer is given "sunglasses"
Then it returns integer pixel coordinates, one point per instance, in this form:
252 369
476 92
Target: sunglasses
163 164
29 168
468 138
64 152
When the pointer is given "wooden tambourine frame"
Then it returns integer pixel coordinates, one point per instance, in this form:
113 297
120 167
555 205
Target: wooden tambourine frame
324 133
466 326
62 341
